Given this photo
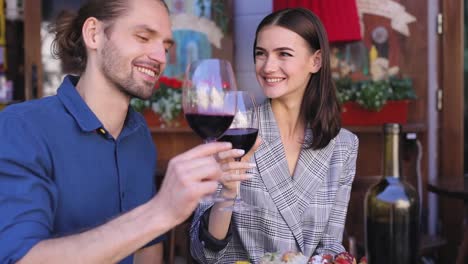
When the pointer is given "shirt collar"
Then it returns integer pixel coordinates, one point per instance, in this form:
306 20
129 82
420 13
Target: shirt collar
81 112
76 106
132 122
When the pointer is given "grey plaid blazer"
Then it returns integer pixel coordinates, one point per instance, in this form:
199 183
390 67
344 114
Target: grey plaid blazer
303 213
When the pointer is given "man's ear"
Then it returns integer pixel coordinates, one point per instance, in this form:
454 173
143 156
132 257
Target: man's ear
315 61
92 28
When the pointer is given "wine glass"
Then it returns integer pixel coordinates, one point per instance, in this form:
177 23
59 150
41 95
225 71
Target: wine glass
207 105
242 134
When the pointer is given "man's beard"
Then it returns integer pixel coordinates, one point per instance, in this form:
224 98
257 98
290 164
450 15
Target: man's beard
114 66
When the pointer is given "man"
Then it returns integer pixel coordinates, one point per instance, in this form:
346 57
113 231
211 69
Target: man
76 169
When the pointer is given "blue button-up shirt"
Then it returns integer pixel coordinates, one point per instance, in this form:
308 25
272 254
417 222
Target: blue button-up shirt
61 172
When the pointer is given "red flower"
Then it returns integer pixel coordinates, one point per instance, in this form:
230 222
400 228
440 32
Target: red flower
156 85
175 83
168 82
345 258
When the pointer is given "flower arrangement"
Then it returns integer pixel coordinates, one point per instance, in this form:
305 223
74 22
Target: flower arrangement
370 89
374 94
166 100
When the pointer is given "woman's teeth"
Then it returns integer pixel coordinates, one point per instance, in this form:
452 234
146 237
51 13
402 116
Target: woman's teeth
273 80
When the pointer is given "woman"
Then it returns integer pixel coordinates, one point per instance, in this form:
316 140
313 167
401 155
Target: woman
305 163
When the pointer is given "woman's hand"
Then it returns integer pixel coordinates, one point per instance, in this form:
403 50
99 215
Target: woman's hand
235 171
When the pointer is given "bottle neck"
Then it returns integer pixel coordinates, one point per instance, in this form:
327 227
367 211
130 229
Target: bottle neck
391 162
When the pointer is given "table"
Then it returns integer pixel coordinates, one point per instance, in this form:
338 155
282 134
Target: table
453 190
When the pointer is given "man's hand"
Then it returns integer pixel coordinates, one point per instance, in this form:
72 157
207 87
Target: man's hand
189 177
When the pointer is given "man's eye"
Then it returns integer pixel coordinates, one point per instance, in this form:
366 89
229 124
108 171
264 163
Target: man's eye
142 39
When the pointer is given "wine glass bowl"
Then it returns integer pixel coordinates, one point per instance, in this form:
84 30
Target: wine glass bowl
244 127
207 107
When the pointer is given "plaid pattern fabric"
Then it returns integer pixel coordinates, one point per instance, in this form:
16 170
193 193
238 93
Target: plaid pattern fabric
303 213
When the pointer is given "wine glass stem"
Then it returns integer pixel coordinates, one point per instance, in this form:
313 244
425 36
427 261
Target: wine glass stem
238 184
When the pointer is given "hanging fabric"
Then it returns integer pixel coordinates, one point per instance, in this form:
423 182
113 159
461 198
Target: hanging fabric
340 17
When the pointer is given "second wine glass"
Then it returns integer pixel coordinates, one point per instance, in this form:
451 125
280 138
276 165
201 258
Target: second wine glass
242 134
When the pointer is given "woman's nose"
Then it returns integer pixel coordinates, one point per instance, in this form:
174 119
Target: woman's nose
270 65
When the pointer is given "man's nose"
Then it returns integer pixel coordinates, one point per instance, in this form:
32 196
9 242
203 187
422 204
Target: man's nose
158 53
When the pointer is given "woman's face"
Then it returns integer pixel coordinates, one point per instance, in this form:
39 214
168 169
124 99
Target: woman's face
284 63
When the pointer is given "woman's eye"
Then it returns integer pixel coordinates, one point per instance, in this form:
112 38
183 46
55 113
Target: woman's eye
259 53
285 54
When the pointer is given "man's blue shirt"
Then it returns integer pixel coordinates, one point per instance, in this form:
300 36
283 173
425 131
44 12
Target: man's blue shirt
62 173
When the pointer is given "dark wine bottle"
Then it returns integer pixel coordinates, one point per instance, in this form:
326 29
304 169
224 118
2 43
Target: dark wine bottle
391 210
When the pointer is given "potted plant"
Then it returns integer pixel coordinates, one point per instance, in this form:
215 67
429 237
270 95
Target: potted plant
374 102
164 108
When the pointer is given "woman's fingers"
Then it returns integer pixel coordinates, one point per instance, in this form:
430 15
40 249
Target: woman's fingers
232 177
237 166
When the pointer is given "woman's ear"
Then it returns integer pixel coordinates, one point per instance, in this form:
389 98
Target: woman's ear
315 61
90 32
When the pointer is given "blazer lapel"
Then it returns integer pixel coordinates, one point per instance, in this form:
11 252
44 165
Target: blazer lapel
311 170
273 169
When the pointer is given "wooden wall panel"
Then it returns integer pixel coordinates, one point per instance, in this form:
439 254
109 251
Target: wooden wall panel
171 142
32 49
451 126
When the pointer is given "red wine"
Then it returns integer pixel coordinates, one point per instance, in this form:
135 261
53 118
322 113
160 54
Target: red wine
241 138
392 242
209 126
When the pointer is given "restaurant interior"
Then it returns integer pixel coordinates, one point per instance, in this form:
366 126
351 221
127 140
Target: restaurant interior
419 45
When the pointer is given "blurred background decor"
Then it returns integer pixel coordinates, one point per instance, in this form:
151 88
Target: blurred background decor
164 108
375 102
201 30
371 97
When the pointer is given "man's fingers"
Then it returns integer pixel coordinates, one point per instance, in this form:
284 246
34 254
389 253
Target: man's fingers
201 169
193 164
229 154
205 150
